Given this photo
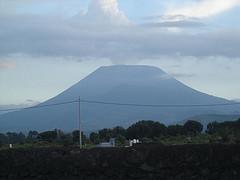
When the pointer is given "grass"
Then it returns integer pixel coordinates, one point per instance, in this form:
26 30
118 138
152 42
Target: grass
165 140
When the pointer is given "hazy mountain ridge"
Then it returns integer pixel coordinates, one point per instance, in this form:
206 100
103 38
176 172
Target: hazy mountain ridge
121 84
236 100
26 104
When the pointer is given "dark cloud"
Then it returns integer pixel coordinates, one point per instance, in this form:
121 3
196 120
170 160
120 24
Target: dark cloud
170 18
176 24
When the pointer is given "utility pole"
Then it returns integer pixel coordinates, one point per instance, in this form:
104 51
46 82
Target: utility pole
79 119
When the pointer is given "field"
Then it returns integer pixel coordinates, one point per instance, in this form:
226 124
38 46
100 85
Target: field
145 161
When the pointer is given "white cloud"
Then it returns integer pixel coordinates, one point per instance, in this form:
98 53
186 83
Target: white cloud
203 8
103 13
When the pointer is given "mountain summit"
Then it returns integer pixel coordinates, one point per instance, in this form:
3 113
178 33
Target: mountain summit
119 84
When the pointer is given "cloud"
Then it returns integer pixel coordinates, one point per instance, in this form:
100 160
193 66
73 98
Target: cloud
172 21
103 13
177 24
203 8
57 7
38 38
53 36
170 18
103 35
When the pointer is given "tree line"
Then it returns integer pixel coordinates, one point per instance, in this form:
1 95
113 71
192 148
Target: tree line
142 130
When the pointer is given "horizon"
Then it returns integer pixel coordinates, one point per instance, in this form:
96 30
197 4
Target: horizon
46 47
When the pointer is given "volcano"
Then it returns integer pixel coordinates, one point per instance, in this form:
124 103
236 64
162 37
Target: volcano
121 84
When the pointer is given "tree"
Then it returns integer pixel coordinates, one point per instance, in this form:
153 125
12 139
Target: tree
75 135
105 134
94 138
212 128
147 129
66 139
175 130
118 131
21 138
120 140
49 136
14 138
192 128
3 139
32 136
228 130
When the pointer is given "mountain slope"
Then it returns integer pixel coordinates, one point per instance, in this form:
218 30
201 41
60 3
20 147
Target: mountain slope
121 84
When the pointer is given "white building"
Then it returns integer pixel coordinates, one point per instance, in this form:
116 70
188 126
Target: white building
134 141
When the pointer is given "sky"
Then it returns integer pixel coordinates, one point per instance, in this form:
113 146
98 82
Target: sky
47 46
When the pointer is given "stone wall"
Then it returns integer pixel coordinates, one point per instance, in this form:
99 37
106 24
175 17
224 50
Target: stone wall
152 162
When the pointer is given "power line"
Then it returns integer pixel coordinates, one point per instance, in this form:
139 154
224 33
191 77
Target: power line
40 106
122 104
158 105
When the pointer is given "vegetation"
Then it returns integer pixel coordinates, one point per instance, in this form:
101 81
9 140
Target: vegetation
145 131
192 128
